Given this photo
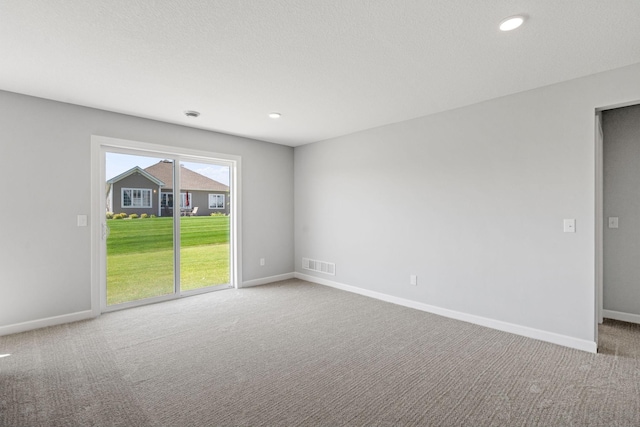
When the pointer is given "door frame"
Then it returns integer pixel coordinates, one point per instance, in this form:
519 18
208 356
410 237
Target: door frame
599 217
599 210
100 144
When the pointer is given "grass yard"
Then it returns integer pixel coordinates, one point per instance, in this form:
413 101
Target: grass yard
153 234
140 256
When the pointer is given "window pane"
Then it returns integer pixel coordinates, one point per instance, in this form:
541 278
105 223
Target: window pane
140 253
204 251
216 201
126 197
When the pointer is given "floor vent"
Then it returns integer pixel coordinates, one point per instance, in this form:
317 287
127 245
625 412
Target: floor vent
319 266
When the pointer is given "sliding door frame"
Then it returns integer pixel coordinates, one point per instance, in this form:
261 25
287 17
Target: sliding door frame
99 146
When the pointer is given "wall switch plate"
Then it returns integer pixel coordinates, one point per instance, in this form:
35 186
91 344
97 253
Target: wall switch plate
413 280
262 262
82 220
613 222
569 225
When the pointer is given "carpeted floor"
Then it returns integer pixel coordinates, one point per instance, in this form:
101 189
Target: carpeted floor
295 353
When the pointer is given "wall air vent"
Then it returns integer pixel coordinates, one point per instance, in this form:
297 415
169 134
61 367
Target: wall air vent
319 266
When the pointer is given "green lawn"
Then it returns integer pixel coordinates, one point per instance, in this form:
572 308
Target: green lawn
140 256
151 234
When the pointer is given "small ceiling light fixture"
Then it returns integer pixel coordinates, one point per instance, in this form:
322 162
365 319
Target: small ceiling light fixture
512 22
192 114
275 115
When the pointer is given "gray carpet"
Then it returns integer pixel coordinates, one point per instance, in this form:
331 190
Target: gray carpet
294 353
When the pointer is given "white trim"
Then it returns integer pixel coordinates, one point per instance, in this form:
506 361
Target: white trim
46 322
599 216
267 280
177 237
618 315
525 331
98 224
235 240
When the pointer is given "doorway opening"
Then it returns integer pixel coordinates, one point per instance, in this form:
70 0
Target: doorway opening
165 223
617 223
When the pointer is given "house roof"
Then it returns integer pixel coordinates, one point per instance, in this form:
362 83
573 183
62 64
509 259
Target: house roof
137 169
189 180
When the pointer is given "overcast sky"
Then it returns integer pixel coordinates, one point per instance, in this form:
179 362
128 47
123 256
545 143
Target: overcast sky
119 163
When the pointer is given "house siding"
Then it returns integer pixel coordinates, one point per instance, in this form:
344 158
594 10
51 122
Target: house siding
135 180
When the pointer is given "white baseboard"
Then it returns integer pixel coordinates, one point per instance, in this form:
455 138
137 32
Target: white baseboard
618 315
48 321
266 280
526 331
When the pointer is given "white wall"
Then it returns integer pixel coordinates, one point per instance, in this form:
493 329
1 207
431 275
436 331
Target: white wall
472 201
45 182
621 128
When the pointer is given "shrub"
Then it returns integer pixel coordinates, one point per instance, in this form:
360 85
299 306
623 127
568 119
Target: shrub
153 216
216 214
109 215
133 216
122 214
144 215
118 216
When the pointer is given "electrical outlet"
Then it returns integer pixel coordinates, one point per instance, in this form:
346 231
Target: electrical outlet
262 262
413 280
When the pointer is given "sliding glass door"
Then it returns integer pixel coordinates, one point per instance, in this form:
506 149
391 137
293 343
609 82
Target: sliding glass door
204 225
140 245
167 227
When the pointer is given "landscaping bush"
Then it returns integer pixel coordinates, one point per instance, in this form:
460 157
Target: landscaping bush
122 214
216 214
109 215
153 216
133 216
118 216
144 216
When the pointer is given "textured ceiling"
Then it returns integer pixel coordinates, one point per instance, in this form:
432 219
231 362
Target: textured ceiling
331 67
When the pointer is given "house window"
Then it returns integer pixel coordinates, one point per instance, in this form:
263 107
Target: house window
136 198
216 201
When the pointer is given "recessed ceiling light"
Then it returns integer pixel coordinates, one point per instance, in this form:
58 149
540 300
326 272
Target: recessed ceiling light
192 114
275 115
511 23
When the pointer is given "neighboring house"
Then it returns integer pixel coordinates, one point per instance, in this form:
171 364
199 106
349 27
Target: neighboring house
150 191
135 191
